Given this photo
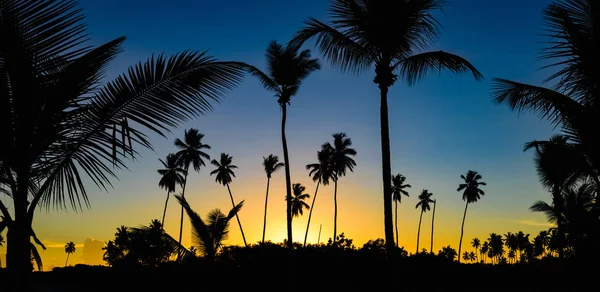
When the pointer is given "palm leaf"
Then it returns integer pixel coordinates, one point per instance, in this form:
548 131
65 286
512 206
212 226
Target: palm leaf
416 67
35 256
201 236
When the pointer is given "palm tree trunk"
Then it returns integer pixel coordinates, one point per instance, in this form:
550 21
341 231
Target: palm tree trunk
334 211
183 196
419 231
432 225
462 229
312 205
266 202
558 203
18 252
396 220
386 168
162 223
288 180
68 254
236 216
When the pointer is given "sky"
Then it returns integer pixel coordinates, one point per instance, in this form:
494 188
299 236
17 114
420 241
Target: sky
439 129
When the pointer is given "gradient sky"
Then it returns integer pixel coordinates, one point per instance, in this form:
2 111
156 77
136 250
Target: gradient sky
439 128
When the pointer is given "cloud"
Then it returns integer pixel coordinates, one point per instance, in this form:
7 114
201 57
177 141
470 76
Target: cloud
533 223
92 252
50 244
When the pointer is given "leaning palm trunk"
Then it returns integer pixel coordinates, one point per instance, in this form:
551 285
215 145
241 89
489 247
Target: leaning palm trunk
462 229
386 168
236 216
396 219
162 223
419 230
310 212
183 196
335 211
288 180
67 261
432 225
266 202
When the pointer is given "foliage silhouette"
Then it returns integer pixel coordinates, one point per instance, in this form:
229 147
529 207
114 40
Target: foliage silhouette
398 187
271 164
424 200
322 171
471 193
391 36
208 235
60 125
287 67
190 153
171 176
69 249
298 200
223 173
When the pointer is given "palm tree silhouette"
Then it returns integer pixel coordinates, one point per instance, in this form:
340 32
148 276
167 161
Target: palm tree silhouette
69 249
424 200
190 153
476 244
77 128
224 172
471 193
341 161
209 235
298 200
398 187
472 256
321 172
390 36
432 223
271 164
496 247
287 67
485 247
171 175
559 165
571 102
465 256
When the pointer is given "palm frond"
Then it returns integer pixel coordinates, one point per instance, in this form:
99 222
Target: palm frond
549 104
201 236
551 213
263 78
341 51
416 67
35 257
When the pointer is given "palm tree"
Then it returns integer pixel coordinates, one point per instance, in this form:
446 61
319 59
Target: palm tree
476 244
287 67
208 235
484 250
511 242
390 36
471 193
171 175
465 256
398 187
472 256
432 223
341 161
298 200
224 172
321 172
190 153
424 200
511 256
271 164
496 246
61 126
69 249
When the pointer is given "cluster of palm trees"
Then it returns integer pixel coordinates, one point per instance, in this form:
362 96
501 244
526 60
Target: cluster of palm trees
519 246
568 164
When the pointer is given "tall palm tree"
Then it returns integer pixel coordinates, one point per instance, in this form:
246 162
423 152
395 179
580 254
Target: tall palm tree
341 161
61 126
271 164
389 36
424 201
209 235
321 172
572 101
496 246
69 249
398 187
298 200
223 173
476 244
432 223
471 193
171 175
191 152
485 246
287 67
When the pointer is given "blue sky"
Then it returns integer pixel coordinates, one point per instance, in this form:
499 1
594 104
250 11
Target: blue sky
439 128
